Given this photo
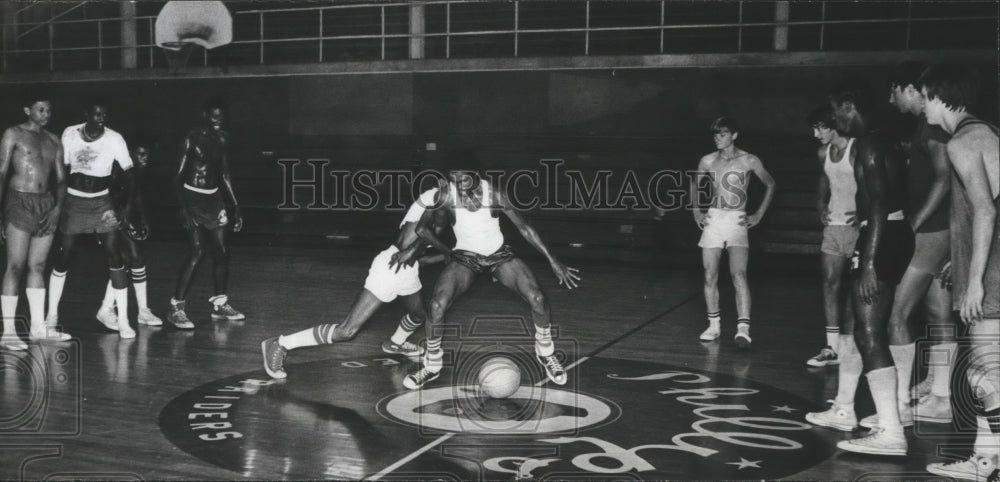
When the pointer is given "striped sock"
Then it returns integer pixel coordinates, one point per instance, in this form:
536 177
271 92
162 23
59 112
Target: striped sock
434 357
993 420
832 337
714 318
317 335
139 283
743 321
405 328
543 341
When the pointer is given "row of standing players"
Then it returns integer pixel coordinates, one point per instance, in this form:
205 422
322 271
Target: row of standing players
86 183
912 222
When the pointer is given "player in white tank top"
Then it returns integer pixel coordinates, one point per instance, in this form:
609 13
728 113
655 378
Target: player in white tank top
841 211
480 249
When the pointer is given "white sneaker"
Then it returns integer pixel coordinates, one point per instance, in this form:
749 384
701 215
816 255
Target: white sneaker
51 320
905 418
743 335
921 389
976 467
146 317
934 409
106 316
839 417
126 332
12 342
711 334
878 442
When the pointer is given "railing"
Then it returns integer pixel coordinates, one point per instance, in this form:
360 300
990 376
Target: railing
262 32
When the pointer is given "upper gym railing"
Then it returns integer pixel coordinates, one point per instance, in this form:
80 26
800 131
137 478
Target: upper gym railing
452 29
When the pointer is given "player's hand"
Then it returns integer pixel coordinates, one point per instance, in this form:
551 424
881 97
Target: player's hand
868 285
406 257
137 231
187 221
47 225
945 276
700 219
750 221
237 221
852 218
971 308
824 215
565 274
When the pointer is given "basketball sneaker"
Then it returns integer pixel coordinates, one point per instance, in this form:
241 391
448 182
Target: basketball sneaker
419 378
933 408
553 369
743 335
921 389
977 467
146 317
878 442
710 334
12 342
274 357
840 417
179 318
107 316
826 357
226 312
126 332
46 333
51 320
905 418
406 348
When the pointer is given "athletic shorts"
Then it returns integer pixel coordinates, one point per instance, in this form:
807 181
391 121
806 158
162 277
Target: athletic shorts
207 210
480 264
88 215
839 240
892 255
24 210
386 284
723 229
932 250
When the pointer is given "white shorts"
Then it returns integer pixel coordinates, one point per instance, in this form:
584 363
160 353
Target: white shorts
723 229
386 284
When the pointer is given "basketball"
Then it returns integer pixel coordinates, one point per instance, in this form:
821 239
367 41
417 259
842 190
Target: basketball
499 377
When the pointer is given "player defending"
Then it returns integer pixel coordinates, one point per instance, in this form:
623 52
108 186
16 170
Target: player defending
475 207
382 286
204 168
973 150
131 239
840 225
90 150
726 223
32 156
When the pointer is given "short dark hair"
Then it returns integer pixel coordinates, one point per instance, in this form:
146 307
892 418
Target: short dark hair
35 94
96 100
212 104
956 85
727 123
854 90
906 73
822 116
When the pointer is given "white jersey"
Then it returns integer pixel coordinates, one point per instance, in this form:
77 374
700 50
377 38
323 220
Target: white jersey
419 206
476 231
842 185
94 158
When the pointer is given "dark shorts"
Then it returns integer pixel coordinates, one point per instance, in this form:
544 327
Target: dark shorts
206 210
480 264
88 215
893 254
24 210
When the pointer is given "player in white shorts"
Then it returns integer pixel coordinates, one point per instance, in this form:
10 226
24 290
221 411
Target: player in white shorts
382 286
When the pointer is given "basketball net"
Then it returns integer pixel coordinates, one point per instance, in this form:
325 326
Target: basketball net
177 58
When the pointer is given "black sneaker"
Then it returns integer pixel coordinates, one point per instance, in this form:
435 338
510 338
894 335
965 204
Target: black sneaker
553 369
274 358
419 378
826 357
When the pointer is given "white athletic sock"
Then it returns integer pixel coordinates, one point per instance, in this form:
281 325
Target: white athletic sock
8 304
832 337
714 319
403 330
849 371
317 335
36 306
434 356
57 280
902 358
109 297
942 357
139 283
219 300
543 341
121 299
882 383
987 442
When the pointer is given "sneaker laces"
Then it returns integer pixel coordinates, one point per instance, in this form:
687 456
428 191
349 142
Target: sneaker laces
552 364
420 375
181 317
278 357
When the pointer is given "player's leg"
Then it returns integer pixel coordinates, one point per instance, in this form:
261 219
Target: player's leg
832 267
710 258
57 279
119 280
196 251
17 242
516 275
454 280
136 262
909 293
841 414
221 309
38 255
416 315
935 405
739 257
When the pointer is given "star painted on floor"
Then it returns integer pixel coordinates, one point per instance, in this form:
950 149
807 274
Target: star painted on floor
783 408
744 463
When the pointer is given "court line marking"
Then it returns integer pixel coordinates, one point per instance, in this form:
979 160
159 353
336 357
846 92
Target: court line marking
579 361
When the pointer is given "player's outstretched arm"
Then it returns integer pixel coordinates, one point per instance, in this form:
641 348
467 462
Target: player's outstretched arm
565 274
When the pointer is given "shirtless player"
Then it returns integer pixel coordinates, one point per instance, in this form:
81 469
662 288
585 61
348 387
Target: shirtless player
382 286
33 157
973 150
204 169
726 223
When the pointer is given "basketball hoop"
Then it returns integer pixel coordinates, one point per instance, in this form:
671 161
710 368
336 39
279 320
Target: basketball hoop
183 25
